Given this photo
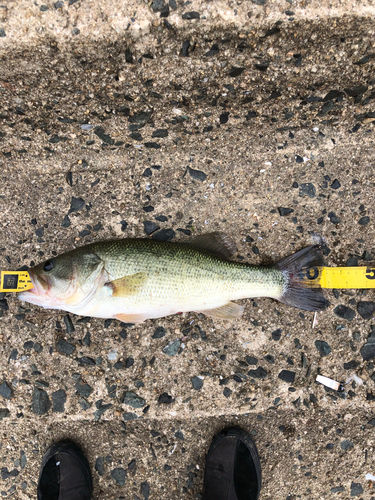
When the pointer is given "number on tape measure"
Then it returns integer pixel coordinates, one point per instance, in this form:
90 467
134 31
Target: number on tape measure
348 277
312 273
310 276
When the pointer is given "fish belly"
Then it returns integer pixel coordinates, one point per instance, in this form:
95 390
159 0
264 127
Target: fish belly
187 289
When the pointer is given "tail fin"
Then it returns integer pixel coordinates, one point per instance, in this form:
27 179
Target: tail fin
302 286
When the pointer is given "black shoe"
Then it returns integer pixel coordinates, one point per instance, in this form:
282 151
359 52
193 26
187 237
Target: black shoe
65 474
232 469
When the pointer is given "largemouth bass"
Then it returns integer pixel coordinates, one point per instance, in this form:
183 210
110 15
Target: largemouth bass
137 279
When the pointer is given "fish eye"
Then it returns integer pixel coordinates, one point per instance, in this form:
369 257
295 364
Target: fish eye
48 265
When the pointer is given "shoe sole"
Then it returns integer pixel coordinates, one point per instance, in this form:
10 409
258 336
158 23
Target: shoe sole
70 448
236 432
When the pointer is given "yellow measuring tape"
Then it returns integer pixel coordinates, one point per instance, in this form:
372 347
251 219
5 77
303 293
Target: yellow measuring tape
319 277
341 277
15 281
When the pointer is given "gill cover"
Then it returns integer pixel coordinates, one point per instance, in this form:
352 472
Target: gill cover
70 279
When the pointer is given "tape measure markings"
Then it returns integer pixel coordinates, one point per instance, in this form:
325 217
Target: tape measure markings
15 281
319 277
341 277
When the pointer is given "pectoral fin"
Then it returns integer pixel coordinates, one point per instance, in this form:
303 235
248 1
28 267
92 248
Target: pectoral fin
228 311
128 285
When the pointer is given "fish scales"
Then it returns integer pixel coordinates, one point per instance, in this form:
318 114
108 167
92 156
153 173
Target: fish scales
184 273
136 279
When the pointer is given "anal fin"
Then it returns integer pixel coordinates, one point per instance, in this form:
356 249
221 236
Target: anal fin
131 318
227 311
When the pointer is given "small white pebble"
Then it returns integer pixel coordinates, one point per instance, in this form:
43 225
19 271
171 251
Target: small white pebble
112 355
316 129
357 379
173 450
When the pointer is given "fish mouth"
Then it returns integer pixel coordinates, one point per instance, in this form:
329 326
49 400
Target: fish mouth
41 284
37 295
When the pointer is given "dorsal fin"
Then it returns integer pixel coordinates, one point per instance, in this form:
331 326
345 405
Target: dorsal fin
218 243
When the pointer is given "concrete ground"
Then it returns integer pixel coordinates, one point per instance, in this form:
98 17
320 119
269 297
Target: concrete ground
114 114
